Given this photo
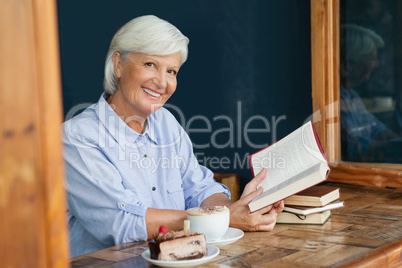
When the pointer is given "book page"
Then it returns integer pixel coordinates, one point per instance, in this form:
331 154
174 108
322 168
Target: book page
290 156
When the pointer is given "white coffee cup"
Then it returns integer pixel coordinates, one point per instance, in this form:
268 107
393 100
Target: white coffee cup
213 221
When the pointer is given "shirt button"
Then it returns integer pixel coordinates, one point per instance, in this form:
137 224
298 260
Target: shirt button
123 205
145 156
153 188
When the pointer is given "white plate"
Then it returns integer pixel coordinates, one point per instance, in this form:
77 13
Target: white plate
212 253
231 236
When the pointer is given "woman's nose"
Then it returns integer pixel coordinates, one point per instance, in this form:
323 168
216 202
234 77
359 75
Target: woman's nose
160 80
376 63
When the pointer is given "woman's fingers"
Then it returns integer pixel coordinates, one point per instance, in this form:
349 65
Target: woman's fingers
268 221
253 184
258 179
250 196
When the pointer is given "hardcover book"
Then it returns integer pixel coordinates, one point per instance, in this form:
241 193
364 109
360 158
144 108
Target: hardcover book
316 196
316 218
293 164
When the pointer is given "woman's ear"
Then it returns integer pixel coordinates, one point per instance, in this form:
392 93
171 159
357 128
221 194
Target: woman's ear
117 64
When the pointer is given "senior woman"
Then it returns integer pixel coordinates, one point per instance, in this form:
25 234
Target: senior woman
130 165
364 137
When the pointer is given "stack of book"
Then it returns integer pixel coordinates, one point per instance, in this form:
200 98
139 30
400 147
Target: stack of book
311 206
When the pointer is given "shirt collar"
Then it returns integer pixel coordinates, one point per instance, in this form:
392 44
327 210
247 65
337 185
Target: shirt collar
150 132
116 126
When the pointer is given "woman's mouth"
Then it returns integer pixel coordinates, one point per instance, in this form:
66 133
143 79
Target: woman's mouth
150 92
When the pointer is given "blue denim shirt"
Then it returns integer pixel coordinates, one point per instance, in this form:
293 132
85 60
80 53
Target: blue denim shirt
359 126
113 174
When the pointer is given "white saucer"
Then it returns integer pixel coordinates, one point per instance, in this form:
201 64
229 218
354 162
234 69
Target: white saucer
231 236
212 253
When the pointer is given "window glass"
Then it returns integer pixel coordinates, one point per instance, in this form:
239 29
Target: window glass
371 80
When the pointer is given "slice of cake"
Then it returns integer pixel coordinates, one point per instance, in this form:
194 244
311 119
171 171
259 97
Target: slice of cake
175 246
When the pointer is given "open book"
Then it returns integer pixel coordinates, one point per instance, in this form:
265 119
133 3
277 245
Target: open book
293 164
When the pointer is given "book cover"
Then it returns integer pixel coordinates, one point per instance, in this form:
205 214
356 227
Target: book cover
314 219
303 210
315 196
294 163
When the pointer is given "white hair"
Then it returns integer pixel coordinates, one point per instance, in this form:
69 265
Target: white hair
357 41
148 35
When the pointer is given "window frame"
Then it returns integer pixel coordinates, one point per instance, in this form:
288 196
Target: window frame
326 105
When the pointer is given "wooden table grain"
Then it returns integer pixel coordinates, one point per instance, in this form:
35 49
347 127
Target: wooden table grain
366 232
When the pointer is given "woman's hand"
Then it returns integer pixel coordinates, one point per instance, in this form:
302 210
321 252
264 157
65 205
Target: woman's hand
260 220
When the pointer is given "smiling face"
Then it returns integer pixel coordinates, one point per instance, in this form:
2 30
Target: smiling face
145 83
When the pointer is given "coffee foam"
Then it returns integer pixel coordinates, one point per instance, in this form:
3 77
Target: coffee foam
207 210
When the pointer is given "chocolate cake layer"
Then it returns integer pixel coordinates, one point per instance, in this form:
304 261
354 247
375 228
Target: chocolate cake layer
179 248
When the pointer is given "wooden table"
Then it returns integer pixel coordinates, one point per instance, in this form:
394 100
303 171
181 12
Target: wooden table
367 232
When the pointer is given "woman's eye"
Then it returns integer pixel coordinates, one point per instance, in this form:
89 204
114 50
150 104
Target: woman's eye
172 72
150 64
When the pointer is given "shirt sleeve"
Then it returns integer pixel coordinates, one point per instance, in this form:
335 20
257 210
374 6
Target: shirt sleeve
198 180
359 126
97 197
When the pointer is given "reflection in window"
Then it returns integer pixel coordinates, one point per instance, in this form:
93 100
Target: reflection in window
371 95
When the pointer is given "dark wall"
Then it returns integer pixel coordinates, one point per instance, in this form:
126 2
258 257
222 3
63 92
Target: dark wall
249 68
